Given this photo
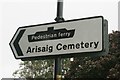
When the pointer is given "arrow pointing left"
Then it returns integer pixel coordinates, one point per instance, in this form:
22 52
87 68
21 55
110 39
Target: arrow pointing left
14 44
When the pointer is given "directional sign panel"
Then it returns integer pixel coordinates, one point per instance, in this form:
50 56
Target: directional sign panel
69 37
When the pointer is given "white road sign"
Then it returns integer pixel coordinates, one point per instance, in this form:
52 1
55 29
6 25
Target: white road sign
69 37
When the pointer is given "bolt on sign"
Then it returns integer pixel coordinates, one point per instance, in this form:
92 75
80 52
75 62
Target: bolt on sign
52 39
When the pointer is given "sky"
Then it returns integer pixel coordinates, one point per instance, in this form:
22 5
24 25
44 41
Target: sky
18 13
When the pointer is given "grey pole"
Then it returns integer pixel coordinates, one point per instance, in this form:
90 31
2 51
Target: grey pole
59 17
57 63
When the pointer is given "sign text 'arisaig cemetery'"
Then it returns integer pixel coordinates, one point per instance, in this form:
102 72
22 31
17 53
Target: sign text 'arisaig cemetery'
69 37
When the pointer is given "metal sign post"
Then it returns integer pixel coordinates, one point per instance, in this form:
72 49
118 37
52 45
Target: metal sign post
77 37
59 17
57 64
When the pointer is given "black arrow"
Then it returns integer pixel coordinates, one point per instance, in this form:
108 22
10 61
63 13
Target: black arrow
16 41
